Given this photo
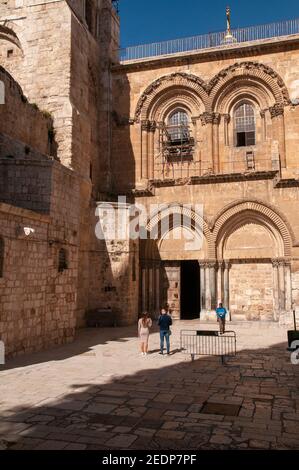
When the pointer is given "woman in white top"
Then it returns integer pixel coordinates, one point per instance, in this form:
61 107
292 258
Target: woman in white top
144 325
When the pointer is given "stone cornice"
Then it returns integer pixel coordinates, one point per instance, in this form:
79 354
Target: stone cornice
205 55
212 179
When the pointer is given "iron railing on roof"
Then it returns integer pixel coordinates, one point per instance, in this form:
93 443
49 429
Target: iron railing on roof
211 40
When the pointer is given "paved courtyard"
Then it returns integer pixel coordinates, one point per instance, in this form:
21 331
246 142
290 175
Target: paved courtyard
100 393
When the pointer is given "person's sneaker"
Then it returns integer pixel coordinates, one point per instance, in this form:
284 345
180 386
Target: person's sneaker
161 353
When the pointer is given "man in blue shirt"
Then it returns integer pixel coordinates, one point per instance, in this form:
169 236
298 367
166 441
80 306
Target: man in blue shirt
164 323
221 314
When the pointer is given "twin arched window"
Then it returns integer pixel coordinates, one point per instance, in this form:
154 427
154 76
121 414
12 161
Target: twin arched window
244 125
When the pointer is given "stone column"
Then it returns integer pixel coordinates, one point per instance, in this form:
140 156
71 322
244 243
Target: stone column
264 126
150 289
144 149
208 299
226 118
277 115
281 294
207 121
157 297
202 286
216 161
227 266
197 149
275 264
144 290
288 286
151 161
213 283
220 282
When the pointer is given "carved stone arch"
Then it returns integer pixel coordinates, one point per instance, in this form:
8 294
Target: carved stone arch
243 219
262 210
199 223
10 35
247 92
252 71
177 80
6 76
172 100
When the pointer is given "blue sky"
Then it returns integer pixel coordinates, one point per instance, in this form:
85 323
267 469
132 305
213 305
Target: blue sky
144 21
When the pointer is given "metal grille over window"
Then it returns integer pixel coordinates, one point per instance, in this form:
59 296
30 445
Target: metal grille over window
62 260
1 256
178 126
177 142
244 125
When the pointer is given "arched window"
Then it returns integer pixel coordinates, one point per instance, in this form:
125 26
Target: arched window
244 122
178 125
1 256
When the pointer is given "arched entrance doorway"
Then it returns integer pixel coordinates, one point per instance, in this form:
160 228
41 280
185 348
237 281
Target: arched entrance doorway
170 263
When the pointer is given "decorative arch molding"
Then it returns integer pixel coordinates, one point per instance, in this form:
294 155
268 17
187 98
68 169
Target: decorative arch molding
8 34
263 211
172 100
250 70
254 73
176 80
5 76
244 218
189 213
250 91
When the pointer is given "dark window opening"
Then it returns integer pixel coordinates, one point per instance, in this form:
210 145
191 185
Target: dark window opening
9 53
244 118
62 260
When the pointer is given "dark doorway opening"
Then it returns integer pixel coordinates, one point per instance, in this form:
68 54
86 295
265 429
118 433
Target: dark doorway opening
190 290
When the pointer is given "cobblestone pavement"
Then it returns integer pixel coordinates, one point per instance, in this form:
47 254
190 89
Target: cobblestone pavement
100 393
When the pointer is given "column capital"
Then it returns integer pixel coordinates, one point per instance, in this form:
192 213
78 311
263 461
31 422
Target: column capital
212 263
263 113
276 110
145 125
152 125
226 118
210 118
206 118
227 264
275 263
216 118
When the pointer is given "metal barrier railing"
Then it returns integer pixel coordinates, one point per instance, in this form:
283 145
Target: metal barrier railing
208 343
211 40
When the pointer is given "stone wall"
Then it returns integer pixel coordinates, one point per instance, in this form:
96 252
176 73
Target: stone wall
114 272
37 302
251 291
23 122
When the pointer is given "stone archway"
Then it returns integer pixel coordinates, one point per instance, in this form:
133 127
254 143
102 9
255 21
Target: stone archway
253 248
177 237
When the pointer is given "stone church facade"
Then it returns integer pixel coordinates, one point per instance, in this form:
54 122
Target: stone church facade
216 127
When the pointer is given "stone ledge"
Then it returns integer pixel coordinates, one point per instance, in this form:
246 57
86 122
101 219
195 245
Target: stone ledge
20 212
